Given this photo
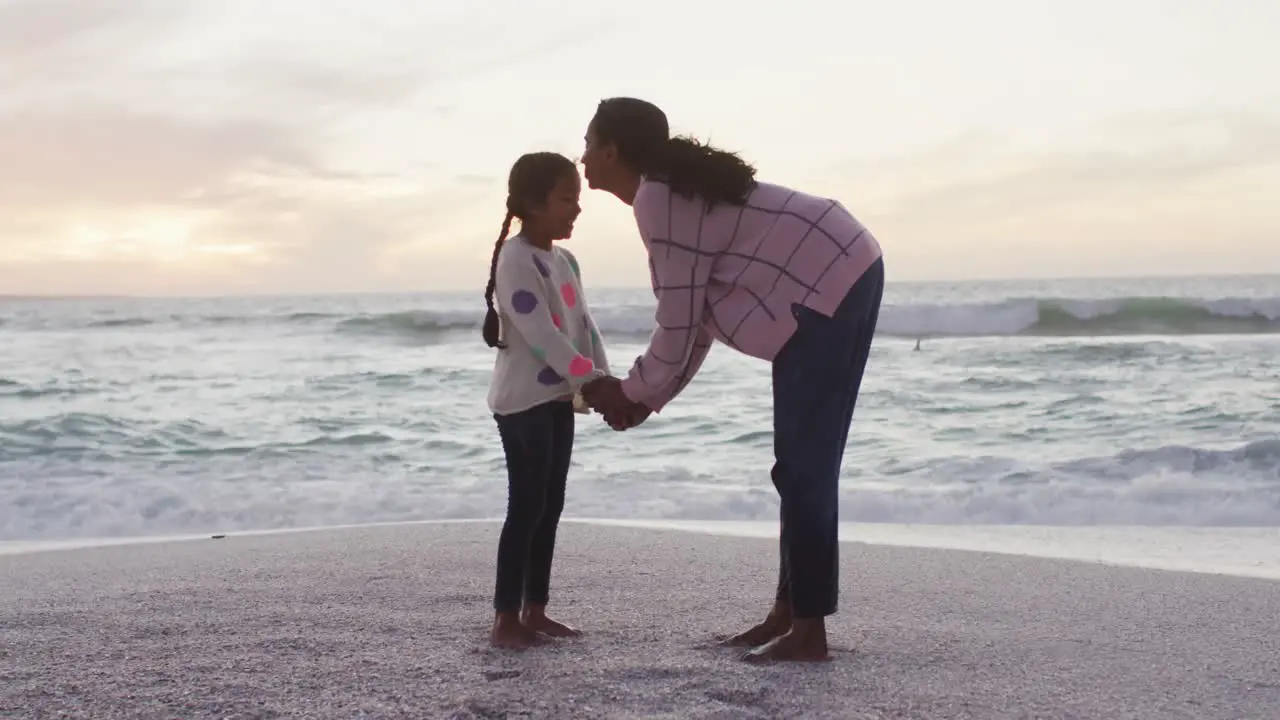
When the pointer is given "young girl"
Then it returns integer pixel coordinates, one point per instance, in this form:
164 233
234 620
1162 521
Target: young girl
548 347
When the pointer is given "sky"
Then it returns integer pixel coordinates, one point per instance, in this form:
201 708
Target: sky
310 146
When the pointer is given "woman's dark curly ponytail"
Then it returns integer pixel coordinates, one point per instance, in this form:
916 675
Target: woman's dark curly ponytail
639 130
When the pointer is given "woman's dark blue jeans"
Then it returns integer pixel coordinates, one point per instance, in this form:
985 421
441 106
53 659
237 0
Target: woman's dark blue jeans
538 443
816 378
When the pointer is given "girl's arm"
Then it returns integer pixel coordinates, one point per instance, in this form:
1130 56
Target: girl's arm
597 350
598 355
520 289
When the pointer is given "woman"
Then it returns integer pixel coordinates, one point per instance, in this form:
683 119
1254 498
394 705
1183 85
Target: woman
774 273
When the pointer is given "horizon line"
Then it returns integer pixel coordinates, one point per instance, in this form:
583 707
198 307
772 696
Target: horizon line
606 288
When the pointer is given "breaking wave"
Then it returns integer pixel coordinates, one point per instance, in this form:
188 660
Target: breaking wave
1045 317
184 477
1061 317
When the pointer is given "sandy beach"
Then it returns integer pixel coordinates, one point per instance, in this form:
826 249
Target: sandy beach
390 622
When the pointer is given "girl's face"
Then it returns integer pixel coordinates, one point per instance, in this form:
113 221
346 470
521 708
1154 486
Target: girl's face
556 216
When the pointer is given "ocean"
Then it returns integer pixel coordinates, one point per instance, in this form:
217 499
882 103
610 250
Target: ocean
1067 403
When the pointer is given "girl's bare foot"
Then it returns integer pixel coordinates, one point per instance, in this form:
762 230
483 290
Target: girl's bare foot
535 617
805 642
775 625
511 634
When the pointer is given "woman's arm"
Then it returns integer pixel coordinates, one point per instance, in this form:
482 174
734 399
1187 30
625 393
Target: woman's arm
679 270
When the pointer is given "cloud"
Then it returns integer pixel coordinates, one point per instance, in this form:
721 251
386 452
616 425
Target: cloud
483 180
310 82
198 201
273 234
355 234
93 156
183 172
45 27
1168 193
191 146
156 137
1163 156
49 48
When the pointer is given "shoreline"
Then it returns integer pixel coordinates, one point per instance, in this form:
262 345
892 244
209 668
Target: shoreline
391 621
1247 552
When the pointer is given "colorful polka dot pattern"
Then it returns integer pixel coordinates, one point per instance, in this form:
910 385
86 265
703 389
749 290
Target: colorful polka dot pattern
543 270
524 302
580 366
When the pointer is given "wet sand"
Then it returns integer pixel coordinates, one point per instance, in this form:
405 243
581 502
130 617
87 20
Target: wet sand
391 622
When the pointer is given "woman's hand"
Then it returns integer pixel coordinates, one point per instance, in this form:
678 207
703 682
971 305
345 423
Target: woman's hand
630 417
605 396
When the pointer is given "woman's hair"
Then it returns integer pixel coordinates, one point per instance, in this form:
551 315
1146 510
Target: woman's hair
690 168
532 178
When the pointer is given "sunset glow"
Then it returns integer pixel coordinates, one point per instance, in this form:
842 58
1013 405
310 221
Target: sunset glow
211 147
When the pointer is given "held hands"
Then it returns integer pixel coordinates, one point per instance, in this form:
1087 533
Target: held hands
631 416
605 396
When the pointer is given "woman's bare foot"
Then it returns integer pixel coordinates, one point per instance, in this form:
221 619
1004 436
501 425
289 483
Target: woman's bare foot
776 624
511 634
805 642
535 617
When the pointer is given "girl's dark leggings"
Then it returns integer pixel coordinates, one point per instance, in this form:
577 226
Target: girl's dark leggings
538 443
